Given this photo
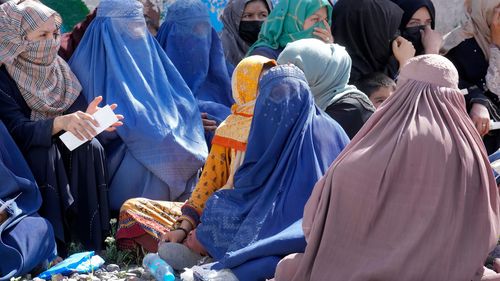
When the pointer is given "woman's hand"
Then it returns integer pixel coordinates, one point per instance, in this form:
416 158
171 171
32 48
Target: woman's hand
403 50
3 216
495 27
174 236
208 125
481 118
178 235
432 40
94 106
324 34
77 123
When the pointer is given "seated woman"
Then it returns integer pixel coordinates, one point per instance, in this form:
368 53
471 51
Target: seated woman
369 31
292 20
242 21
26 240
195 49
344 103
414 187
474 48
249 227
158 152
39 99
418 24
143 222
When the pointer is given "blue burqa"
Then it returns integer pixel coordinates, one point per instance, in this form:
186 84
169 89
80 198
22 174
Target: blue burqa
195 49
26 240
291 145
161 144
495 160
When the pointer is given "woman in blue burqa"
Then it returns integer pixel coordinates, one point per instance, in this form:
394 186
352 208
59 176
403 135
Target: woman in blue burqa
290 146
26 240
40 98
161 147
195 49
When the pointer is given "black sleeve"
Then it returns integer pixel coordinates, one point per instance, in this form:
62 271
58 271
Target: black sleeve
474 94
472 67
349 115
25 132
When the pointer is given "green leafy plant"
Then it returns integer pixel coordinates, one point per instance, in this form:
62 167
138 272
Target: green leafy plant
117 256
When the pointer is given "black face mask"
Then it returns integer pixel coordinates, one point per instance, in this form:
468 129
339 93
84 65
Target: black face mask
249 31
413 35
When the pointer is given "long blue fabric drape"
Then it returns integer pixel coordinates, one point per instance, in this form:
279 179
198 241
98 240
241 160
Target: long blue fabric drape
195 49
118 59
26 240
291 145
495 158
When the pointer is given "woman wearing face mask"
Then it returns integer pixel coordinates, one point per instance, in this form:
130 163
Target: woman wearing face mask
292 20
39 99
474 48
369 31
242 21
417 25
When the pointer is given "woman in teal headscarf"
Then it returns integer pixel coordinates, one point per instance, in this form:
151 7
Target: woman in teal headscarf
292 20
327 68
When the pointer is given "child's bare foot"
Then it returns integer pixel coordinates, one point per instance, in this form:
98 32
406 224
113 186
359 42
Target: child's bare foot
490 275
496 265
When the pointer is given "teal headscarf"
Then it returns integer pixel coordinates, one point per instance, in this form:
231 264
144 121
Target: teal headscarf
327 68
286 21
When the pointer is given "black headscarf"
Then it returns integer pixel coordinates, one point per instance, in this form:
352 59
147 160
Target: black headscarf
411 6
413 33
367 28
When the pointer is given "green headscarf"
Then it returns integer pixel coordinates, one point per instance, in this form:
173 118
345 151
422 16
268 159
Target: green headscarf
327 68
286 21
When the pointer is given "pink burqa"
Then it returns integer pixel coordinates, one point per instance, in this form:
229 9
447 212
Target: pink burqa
412 197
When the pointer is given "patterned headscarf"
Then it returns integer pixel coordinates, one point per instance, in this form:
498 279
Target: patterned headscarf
45 80
479 18
233 132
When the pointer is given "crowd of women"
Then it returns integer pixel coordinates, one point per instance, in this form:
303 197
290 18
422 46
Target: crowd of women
311 140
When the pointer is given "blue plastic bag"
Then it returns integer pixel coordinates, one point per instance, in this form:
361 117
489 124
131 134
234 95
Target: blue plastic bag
77 263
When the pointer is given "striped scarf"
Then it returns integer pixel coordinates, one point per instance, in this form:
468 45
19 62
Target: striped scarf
44 79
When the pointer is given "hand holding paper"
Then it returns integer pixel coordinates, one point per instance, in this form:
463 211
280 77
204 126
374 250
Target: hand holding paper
105 117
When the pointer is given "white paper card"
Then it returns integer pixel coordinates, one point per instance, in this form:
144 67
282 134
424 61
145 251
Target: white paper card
7 203
104 116
494 126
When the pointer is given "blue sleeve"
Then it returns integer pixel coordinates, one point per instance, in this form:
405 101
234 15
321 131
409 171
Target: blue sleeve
494 158
266 52
25 132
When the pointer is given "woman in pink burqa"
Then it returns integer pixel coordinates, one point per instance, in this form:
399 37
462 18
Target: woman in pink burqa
412 197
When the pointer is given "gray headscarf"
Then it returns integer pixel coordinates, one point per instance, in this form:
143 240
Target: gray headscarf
235 48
